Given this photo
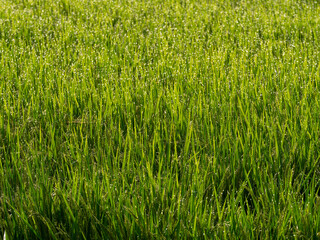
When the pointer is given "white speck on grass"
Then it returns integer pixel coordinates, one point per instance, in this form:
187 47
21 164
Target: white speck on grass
4 236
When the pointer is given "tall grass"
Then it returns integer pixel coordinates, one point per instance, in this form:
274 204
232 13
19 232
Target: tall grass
159 119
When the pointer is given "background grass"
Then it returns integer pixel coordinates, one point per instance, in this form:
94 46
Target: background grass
159 119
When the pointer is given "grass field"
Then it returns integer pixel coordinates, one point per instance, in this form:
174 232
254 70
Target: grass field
152 119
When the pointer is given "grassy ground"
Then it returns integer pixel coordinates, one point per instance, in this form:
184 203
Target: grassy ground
159 119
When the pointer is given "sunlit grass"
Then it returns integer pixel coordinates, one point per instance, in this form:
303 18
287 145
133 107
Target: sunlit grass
159 119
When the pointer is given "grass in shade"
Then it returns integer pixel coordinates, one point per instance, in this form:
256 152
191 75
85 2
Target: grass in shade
159 119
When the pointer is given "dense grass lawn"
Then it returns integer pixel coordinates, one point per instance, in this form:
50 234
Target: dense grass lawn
153 119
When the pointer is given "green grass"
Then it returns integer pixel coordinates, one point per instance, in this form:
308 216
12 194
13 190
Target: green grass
159 119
